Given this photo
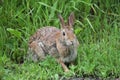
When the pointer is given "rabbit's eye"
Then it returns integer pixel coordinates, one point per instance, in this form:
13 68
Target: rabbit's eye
63 33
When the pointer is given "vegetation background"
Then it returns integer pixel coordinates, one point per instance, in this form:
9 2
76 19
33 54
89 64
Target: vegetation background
97 27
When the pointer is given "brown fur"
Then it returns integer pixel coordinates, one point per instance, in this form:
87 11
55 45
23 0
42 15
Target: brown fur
61 44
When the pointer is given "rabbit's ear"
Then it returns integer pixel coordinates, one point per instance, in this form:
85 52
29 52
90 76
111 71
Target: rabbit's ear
61 21
71 19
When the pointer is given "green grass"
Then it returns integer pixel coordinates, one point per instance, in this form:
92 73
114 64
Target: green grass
97 27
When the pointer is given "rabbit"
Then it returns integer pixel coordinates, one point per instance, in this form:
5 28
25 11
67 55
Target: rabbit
61 43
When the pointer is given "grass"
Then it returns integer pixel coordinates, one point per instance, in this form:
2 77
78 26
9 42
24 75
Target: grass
97 27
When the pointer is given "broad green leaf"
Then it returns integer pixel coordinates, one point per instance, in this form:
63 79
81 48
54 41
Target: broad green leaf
77 31
14 32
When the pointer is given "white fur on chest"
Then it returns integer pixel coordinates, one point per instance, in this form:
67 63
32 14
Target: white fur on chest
70 57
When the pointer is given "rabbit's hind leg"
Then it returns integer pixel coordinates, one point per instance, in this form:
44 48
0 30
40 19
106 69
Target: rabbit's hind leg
36 52
31 56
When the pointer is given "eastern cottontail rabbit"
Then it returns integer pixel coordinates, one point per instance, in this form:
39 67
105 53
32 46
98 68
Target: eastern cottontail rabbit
59 43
